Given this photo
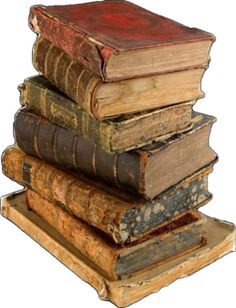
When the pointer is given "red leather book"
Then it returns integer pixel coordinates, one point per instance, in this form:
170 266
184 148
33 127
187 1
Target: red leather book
120 40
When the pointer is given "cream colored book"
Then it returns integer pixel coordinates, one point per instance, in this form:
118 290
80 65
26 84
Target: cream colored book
220 241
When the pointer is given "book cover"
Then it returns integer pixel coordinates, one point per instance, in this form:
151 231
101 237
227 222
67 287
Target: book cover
99 33
220 241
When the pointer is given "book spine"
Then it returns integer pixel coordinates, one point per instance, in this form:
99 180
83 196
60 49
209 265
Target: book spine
66 73
65 113
78 233
91 53
84 199
38 137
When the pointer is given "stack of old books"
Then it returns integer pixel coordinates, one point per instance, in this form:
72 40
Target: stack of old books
114 160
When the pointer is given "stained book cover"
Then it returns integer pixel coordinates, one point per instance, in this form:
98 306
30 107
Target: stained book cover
174 237
125 218
220 241
112 135
109 100
143 171
97 33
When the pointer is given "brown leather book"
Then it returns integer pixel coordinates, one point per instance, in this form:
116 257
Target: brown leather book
124 217
179 234
112 135
106 100
146 171
119 40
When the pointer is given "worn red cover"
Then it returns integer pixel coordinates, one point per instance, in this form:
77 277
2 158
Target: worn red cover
91 32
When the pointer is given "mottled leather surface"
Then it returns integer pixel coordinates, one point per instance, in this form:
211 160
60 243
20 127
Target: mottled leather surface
92 32
122 25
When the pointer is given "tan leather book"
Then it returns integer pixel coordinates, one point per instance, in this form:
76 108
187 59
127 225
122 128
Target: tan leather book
107 100
220 241
124 217
111 135
168 240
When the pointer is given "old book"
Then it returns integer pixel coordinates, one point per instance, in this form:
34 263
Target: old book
147 171
106 100
113 135
179 234
220 241
124 217
120 40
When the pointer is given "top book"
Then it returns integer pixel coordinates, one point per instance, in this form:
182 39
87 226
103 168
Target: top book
119 40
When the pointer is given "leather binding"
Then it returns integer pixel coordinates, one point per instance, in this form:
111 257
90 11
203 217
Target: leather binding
93 32
112 135
139 171
125 218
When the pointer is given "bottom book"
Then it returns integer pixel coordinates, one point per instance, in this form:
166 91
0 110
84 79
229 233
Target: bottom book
181 233
220 241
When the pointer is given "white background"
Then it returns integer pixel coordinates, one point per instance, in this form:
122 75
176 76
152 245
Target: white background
29 276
